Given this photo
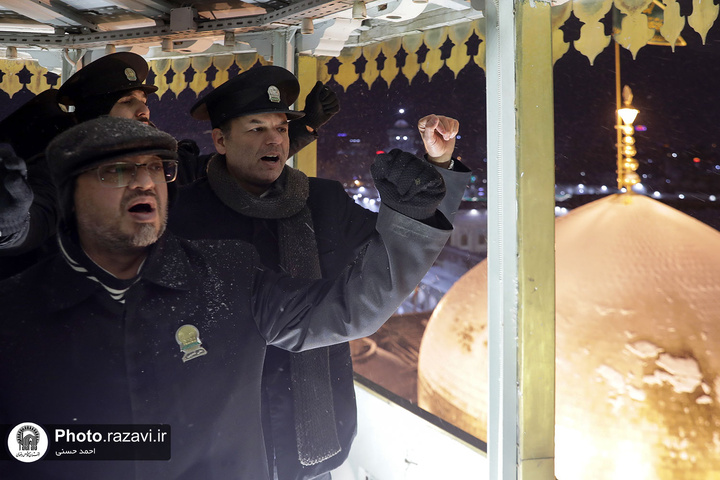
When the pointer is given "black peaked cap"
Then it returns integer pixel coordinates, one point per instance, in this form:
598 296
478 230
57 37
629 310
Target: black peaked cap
262 89
114 73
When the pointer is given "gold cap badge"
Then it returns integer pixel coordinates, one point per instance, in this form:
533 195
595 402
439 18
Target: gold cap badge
274 94
130 74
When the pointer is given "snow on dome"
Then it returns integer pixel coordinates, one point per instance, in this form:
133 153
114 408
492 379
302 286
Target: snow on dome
637 342
401 124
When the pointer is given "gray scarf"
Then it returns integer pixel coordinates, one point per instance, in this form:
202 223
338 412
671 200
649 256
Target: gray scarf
286 201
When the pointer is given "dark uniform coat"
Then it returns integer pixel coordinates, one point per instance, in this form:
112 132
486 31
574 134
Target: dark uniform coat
72 355
341 228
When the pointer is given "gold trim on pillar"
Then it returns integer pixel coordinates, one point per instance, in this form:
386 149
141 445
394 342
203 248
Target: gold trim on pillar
307 72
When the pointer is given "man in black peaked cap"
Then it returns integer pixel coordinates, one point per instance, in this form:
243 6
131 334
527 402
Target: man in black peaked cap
307 227
129 325
111 85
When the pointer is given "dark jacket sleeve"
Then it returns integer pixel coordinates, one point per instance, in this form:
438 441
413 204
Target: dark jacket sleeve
343 226
43 213
360 299
191 165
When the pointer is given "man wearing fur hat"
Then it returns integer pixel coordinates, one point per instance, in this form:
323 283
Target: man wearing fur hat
308 227
129 325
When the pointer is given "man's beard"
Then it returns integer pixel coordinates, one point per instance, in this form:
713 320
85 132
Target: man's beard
113 240
147 235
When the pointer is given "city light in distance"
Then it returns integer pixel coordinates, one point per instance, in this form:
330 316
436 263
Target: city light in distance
560 211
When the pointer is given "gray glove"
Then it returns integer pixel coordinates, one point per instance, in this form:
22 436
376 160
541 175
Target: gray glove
408 184
321 105
15 193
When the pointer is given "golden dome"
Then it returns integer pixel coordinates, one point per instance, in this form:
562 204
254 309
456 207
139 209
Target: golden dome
637 345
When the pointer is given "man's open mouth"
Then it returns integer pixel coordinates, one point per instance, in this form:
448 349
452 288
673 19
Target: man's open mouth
141 208
143 211
270 158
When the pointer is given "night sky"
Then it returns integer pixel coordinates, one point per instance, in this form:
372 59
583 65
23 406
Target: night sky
678 96
368 114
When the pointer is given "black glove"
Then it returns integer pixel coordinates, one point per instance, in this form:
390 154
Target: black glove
15 193
407 184
188 147
320 106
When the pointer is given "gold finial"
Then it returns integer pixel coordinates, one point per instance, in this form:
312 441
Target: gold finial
627 168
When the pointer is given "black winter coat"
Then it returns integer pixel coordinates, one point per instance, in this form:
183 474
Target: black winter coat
341 228
72 355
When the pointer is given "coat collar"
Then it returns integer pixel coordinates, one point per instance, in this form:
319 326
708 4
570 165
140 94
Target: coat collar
166 266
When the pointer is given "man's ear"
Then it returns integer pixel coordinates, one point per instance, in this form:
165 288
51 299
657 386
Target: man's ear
219 141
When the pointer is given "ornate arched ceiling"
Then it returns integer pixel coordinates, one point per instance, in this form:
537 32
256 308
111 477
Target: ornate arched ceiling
635 24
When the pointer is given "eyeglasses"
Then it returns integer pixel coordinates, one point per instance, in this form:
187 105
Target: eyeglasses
121 174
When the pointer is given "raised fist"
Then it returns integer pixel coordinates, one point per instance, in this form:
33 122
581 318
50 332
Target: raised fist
438 135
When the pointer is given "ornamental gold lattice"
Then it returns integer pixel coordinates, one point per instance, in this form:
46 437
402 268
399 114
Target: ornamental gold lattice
636 24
